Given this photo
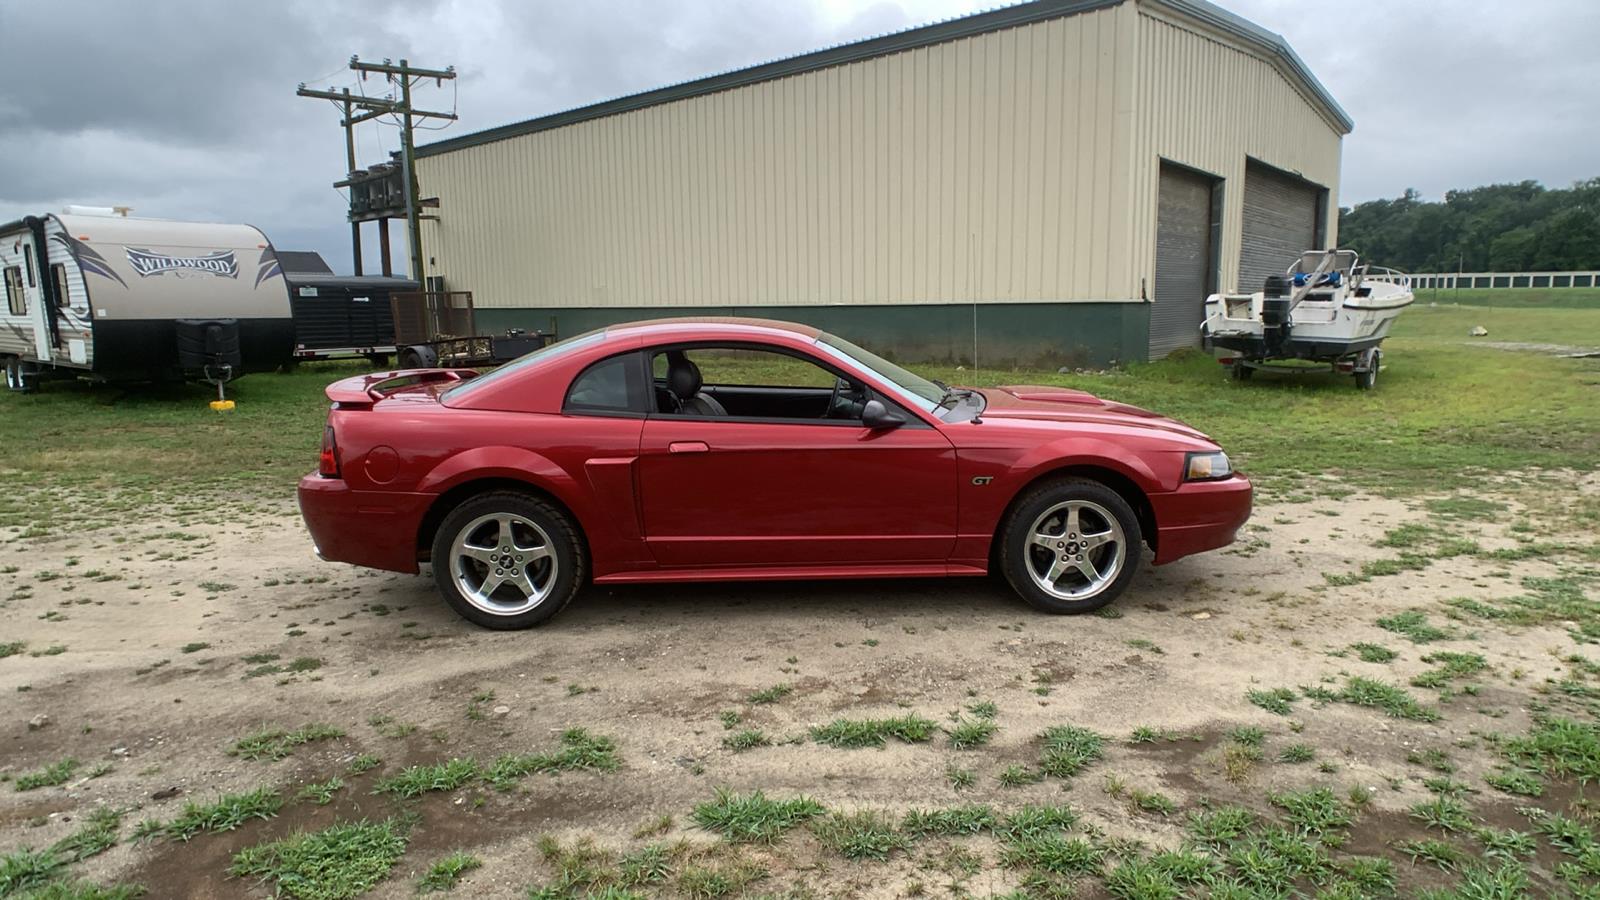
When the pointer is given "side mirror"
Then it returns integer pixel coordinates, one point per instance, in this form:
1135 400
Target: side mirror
877 416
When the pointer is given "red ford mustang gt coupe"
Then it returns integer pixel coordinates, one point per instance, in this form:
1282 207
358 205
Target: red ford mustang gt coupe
740 449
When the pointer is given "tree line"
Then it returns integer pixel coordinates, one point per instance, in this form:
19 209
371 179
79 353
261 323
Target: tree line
1497 228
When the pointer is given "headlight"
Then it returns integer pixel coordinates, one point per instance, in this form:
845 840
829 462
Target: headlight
1206 466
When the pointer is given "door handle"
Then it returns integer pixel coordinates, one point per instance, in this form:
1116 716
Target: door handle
687 447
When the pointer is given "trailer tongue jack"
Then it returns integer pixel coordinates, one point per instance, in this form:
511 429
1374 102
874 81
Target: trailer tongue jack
211 348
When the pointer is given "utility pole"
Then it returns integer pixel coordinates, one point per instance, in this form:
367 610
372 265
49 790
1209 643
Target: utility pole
372 108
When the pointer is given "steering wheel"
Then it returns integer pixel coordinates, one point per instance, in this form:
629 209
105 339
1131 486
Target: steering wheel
845 402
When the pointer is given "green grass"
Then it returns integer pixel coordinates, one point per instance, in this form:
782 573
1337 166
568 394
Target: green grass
969 734
321 792
746 739
1513 299
97 834
752 817
1559 748
772 694
1297 753
579 750
850 733
1275 700
867 834
1445 412
339 862
12 648
1392 700
1373 653
956 820
223 814
444 874
277 743
1316 810
1413 624
414 781
1068 750
1442 812
54 774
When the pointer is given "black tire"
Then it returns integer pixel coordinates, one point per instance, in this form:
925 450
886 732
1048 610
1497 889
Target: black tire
1240 371
1368 380
560 535
1019 556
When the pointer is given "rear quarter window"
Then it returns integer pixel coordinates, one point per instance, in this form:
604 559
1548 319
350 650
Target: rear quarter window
610 385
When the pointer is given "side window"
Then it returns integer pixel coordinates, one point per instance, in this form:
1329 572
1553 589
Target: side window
27 257
748 382
58 274
610 385
14 296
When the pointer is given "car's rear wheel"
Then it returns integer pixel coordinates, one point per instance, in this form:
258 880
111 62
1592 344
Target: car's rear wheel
1070 546
507 560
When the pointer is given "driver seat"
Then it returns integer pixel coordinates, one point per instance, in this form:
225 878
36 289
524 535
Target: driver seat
684 382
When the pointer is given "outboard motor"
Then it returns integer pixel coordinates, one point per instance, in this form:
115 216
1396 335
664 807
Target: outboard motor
1275 313
210 347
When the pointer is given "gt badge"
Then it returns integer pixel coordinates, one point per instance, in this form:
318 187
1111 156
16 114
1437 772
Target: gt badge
981 480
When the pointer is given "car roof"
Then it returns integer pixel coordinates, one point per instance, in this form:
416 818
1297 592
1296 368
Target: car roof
732 326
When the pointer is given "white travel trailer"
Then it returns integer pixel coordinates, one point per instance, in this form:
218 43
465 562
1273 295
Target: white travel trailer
117 298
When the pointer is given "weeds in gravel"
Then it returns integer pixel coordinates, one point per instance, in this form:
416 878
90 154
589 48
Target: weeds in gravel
1276 700
1381 695
960 779
1054 853
414 781
956 820
321 792
1443 812
851 733
98 834
277 743
1373 653
867 834
1413 624
1297 753
1068 750
54 774
1443 854
579 750
446 873
969 734
335 863
366 762
1449 667
223 814
747 739
1221 826
772 694
752 818
1316 810
1559 748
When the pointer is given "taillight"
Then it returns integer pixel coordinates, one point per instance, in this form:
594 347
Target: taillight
328 462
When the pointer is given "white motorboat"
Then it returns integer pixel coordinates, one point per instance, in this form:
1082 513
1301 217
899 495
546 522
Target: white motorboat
1326 308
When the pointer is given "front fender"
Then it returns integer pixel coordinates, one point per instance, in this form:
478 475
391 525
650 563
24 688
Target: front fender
1085 451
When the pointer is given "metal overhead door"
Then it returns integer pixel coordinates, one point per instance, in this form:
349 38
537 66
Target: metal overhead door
1280 223
1183 260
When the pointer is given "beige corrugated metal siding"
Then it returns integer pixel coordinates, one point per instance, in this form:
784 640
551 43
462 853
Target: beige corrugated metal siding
1209 104
1017 165
971 170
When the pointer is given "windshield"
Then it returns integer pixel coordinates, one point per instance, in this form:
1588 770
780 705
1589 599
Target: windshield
912 388
543 353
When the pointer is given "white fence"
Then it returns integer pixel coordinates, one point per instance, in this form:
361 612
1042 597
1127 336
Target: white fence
1467 280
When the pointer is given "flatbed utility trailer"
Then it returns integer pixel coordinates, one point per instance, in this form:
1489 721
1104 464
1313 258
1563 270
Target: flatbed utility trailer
437 328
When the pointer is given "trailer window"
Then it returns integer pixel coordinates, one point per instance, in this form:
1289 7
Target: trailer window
58 274
27 257
14 296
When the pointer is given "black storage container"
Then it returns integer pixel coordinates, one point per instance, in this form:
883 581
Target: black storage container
208 343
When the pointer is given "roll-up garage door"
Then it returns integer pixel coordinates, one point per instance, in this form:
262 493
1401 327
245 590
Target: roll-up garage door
1280 223
1183 260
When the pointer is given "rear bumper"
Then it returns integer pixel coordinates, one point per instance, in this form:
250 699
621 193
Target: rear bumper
1200 516
377 529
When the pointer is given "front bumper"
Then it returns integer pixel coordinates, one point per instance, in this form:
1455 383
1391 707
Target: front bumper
377 529
1200 516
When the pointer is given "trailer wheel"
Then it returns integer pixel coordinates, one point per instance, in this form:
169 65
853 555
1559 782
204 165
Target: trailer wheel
18 379
1240 371
418 356
1367 378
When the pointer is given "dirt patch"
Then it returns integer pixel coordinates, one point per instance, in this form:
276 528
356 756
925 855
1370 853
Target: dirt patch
183 633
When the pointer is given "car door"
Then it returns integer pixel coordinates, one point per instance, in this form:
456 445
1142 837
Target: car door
792 489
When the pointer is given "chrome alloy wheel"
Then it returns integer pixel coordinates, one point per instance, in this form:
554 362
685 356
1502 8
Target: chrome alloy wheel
1075 550
503 564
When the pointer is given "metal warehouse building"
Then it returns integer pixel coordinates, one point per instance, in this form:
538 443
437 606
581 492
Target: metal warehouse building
1059 182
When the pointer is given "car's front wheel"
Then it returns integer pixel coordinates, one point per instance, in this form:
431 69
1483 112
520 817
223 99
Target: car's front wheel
507 560
1070 546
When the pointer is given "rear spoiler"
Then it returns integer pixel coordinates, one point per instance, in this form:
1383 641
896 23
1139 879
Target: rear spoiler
362 391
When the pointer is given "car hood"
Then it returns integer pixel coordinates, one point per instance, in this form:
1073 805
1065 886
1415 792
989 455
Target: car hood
1059 404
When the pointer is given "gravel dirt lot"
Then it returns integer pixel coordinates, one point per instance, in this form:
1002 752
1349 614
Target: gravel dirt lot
183 629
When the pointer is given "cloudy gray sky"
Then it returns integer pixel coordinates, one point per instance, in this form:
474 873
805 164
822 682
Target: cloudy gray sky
186 108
